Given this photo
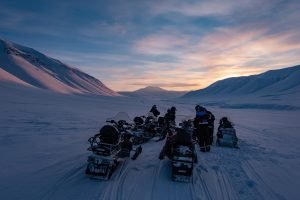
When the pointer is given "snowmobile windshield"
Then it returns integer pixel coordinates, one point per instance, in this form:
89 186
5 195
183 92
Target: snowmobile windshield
121 116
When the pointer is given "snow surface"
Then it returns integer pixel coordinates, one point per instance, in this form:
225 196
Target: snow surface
43 142
26 66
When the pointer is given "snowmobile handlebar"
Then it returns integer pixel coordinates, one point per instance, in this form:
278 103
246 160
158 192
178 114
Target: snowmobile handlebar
111 121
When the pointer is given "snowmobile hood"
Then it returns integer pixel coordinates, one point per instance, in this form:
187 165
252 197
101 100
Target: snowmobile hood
201 113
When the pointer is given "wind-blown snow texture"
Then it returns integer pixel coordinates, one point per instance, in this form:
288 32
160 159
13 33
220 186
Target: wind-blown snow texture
274 82
43 141
26 66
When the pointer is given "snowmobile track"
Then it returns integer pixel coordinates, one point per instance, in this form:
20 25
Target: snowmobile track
257 177
70 175
156 174
203 185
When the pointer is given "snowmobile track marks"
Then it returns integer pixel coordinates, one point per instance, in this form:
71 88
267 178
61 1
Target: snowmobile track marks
156 174
74 172
203 184
256 176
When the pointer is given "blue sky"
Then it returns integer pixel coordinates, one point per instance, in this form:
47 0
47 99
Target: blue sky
178 45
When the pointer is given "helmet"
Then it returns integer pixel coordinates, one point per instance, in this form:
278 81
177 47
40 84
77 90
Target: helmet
154 106
173 108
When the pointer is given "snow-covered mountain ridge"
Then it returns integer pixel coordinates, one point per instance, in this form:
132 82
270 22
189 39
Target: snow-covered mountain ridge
273 82
26 66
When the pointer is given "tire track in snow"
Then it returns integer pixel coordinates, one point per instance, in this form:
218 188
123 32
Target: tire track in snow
224 183
202 185
113 185
70 175
257 177
156 176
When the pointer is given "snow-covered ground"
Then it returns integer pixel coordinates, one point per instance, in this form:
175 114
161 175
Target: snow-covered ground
43 141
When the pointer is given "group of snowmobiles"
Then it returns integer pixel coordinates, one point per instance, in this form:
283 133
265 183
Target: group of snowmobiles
119 137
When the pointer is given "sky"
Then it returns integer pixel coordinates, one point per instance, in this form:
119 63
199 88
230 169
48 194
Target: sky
173 44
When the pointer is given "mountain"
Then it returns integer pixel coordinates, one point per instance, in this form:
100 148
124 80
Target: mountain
26 66
273 82
154 92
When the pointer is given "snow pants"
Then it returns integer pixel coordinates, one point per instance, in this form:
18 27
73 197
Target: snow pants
211 133
203 135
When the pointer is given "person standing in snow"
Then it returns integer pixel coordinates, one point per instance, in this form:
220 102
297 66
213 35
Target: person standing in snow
172 115
211 121
154 111
152 115
169 119
201 131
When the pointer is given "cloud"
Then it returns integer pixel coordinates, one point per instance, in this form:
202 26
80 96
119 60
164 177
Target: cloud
168 85
196 8
164 42
104 28
171 43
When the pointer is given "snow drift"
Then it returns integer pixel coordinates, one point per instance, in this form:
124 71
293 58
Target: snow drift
26 66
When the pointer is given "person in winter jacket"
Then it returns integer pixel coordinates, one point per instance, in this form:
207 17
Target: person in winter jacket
225 123
201 128
154 111
172 114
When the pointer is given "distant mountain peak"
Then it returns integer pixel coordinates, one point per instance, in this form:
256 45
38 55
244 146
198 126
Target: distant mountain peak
154 92
151 89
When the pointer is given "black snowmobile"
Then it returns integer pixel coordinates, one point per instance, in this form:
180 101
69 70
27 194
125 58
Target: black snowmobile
145 130
226 135
110 147
181 151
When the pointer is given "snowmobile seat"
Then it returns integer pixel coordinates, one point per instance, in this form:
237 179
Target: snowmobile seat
182 138
138 121
104 149
109 134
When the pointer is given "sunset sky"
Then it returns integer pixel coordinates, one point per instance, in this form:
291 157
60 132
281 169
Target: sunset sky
175 44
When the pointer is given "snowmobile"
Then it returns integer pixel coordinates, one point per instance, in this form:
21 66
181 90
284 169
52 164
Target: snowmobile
182 163
184 156
138 131
181 151
144 130
187 125
109 147
226 135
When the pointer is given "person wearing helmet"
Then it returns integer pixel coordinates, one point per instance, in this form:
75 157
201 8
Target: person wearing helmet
169 119
225 123
201 128
154 111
